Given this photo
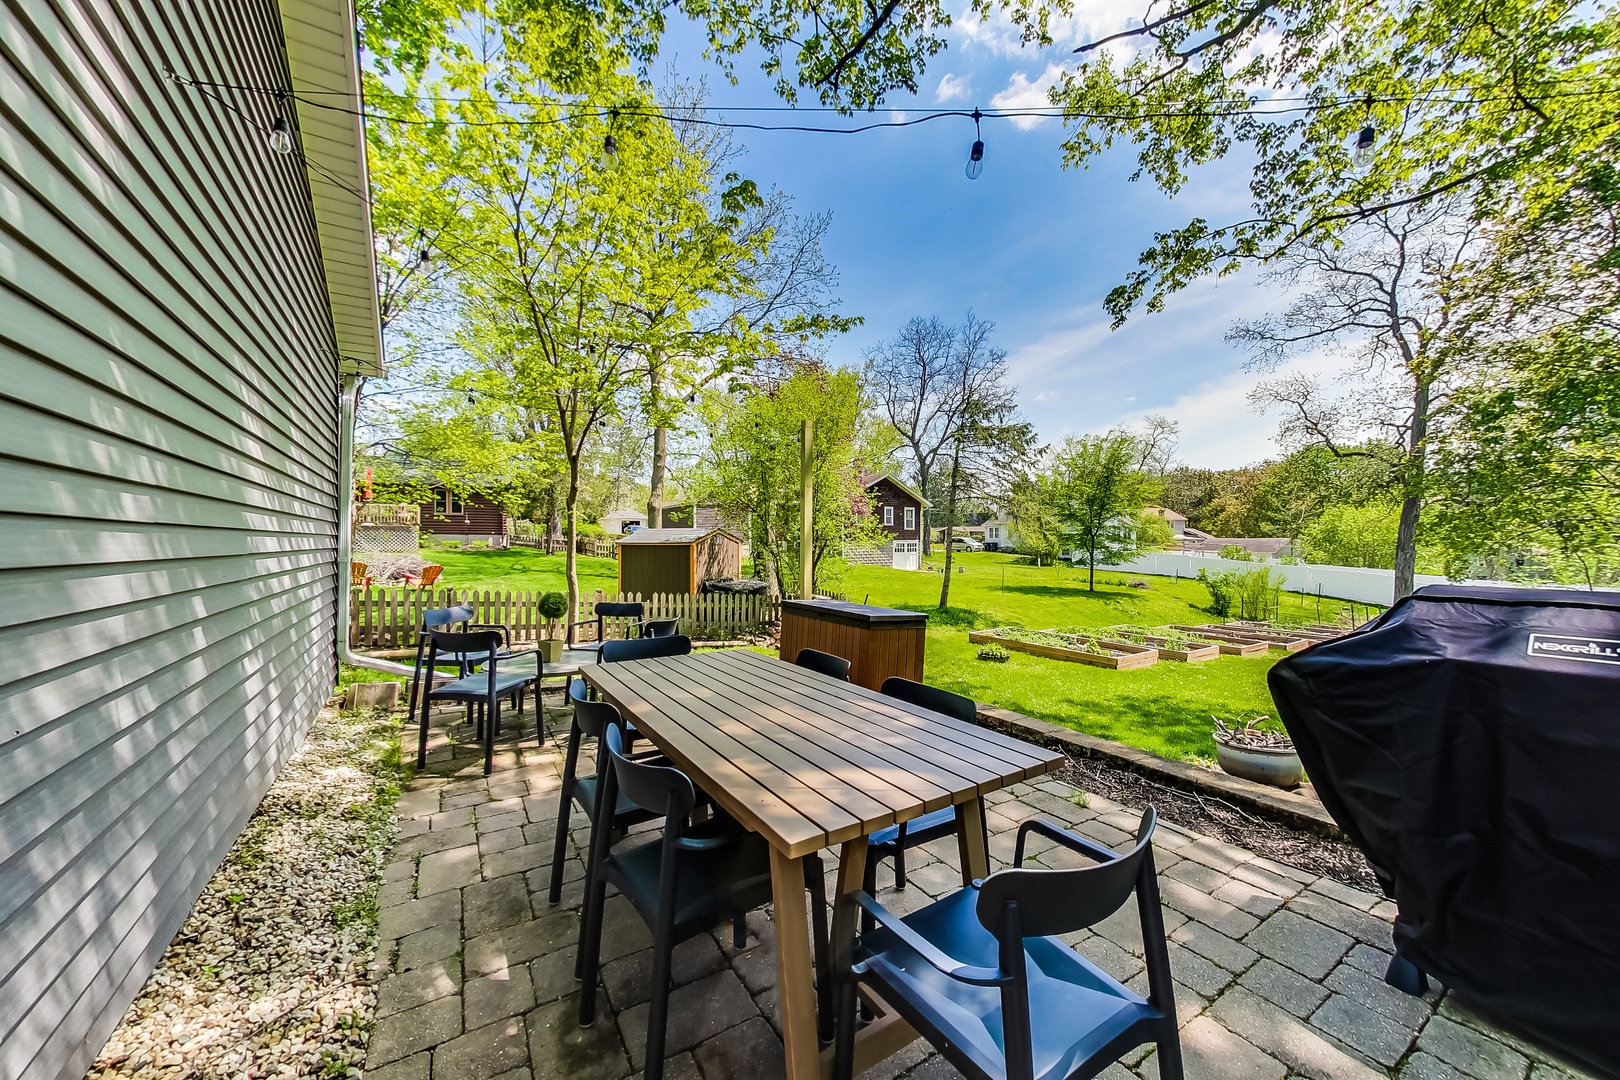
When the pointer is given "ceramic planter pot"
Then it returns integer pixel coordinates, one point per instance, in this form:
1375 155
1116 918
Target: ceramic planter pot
1280 768
550 650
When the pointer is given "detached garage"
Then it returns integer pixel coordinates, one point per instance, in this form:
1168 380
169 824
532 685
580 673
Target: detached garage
676 560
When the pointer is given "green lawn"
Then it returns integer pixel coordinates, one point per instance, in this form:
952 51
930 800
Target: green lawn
1164 708
519 570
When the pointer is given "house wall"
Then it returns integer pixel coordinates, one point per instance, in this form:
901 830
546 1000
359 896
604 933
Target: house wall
168 438
482 519
886 493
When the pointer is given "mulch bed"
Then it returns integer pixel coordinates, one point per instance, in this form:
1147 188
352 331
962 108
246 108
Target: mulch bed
1214 816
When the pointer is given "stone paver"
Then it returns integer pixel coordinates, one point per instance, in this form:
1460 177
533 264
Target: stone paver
1278 972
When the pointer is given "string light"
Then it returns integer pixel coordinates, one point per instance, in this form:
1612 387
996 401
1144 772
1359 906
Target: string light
610 145
280 136
1362 157
975 164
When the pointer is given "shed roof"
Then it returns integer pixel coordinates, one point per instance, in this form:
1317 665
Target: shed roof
870 479
673 536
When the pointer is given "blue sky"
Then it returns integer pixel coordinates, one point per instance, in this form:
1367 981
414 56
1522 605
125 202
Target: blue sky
1030 245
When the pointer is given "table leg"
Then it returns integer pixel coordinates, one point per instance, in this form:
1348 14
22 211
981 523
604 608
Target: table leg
794 981
970 841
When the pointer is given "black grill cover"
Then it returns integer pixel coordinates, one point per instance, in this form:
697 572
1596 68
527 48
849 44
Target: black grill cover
1468 742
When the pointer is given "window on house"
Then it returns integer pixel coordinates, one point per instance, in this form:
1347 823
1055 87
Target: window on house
888 515
911 518
448 502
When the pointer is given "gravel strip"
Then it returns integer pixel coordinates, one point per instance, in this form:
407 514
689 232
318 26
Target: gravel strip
1214 816
269 976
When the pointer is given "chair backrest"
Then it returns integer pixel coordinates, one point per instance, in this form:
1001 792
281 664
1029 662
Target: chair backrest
1053 902
660 789
357 572
593 717
931 697
449 616
645 648
661 628
430 574
825 663
615 610
480 646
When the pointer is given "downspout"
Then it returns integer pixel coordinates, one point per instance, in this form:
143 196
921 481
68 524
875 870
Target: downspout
346 537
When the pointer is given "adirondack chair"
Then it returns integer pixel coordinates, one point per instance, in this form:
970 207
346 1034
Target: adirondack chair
426 578
358 577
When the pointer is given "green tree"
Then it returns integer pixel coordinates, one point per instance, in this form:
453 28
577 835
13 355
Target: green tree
750 469
1353 536
1384 295
1504 103
1095 492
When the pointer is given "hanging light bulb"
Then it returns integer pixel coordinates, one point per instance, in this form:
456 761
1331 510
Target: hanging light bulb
280 136
471 398
975 164
422 255
610 145
1361 157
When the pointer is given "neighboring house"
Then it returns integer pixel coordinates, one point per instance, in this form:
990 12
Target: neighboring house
1177 522
180 310
1000 535
622 521
469 518
897 505
1199 542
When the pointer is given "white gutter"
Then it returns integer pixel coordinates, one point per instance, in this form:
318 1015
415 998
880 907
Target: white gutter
346 538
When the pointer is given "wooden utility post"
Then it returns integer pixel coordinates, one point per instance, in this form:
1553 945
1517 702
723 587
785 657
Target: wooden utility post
807 510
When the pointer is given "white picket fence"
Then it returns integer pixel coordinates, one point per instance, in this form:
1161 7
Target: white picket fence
388 618
1362 584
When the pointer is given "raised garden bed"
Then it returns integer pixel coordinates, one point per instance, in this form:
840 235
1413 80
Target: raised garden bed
1287 643
1118 655
1181 647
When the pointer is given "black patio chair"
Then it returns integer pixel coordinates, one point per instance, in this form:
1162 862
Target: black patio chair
894 841
604 611
482 689
645 648
655 628
591 718
440 618
958 971
824 663
687 880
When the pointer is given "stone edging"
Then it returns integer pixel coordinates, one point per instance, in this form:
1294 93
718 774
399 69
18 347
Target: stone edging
1295 811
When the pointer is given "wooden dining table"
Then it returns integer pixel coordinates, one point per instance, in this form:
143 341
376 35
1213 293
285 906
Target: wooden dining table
811 762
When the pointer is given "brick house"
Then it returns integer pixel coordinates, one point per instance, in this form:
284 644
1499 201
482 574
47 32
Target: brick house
898 505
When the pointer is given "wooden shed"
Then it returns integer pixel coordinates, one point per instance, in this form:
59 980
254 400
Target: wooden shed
676 560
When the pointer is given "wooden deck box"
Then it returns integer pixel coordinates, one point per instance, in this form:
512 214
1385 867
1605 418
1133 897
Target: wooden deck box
877 641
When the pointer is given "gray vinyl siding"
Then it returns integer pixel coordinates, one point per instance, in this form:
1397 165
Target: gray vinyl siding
168 489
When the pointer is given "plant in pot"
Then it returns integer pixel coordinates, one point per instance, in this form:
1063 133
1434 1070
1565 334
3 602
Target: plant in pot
552 606
1256 753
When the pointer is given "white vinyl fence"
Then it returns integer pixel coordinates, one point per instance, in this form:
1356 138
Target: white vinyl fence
1361 584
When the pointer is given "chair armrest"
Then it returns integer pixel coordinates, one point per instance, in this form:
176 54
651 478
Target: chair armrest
976 976
1072 841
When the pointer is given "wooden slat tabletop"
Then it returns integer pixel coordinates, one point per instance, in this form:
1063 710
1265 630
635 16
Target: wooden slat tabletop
805 760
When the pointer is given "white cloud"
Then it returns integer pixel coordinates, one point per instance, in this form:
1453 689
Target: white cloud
1219 428
951 87
1022 92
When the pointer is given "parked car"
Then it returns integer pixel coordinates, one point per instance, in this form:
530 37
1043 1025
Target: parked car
966 543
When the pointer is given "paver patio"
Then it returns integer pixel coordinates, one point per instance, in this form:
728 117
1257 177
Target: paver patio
1278 972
